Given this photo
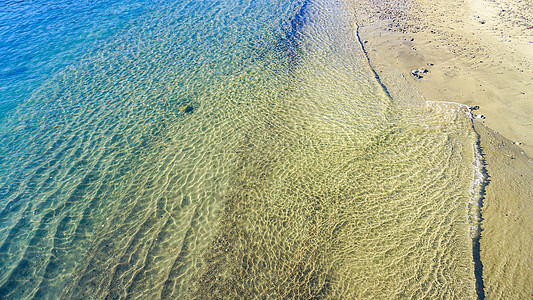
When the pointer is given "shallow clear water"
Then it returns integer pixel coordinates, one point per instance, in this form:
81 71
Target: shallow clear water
233 149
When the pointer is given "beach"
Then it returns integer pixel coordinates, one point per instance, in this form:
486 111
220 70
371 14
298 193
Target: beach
477 53
273 149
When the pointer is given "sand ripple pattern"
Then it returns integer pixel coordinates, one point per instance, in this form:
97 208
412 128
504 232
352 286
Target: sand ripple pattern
232 150
343 195
109 185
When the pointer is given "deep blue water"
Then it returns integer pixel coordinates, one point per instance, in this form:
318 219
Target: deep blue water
41 38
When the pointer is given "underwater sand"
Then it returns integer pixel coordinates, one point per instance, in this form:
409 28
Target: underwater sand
232 150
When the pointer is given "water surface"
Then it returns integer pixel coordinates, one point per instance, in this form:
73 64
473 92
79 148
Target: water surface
233 149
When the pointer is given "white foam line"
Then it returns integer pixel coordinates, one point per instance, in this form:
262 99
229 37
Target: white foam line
447 102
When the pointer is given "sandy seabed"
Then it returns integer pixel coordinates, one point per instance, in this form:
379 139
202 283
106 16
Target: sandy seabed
479 53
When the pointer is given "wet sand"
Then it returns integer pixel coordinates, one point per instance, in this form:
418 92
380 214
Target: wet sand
479 53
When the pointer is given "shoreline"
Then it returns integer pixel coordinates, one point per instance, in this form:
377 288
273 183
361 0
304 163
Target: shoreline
466 61
400 37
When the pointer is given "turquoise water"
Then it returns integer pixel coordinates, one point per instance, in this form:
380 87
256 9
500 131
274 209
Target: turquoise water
233 149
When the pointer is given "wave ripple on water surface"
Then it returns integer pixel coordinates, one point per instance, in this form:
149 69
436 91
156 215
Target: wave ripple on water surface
233 149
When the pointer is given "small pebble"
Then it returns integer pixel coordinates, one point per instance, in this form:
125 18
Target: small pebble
418 73
480 117
518 143
415 74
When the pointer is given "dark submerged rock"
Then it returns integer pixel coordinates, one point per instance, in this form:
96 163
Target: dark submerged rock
187 109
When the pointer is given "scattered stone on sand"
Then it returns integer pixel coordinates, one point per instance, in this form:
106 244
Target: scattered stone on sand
418 73
415 74
517 143
480 117
475 107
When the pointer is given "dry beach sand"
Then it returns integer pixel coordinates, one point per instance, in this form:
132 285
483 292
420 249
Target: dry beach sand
479 53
